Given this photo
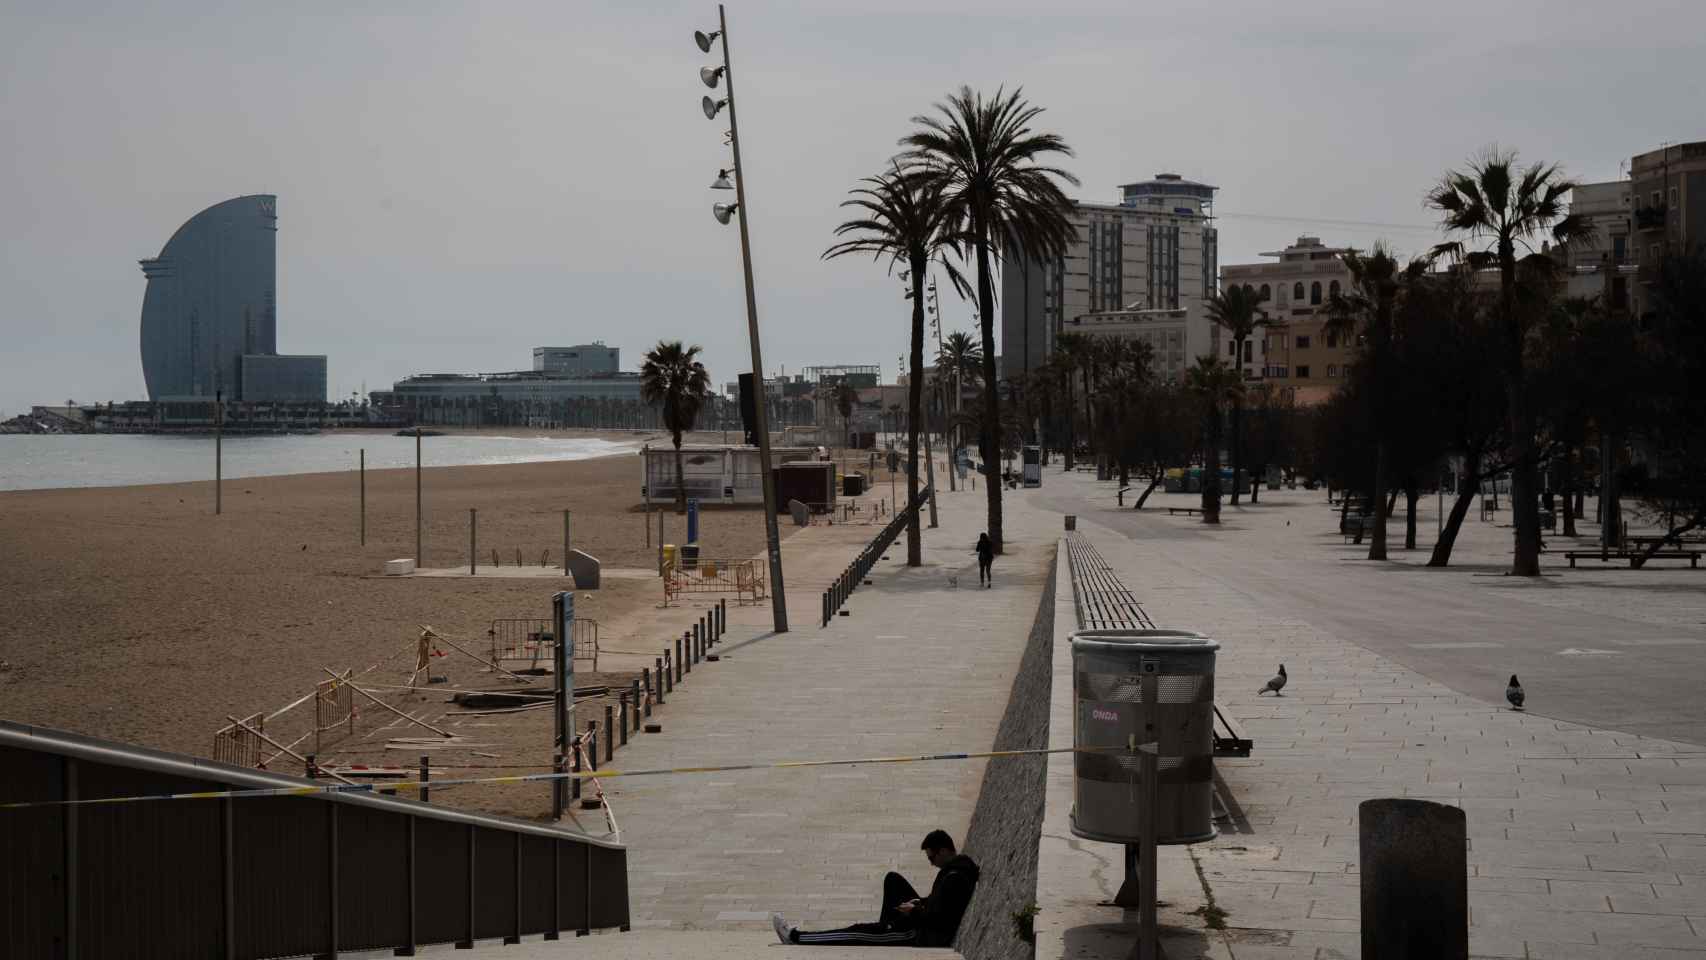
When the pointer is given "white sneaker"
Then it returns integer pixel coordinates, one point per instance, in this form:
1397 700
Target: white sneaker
784 929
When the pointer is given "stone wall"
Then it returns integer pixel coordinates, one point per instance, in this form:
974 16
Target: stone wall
1007 822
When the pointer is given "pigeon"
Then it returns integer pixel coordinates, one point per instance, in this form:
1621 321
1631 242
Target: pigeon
1514 694
1276 684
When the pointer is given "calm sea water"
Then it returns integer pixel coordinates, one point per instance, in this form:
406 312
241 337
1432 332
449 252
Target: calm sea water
32 462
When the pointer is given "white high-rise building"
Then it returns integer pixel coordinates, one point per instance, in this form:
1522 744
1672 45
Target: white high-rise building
1155 250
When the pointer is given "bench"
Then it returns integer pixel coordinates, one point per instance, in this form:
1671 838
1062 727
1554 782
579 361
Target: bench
1187 511
1229 738
1356 525
1606 556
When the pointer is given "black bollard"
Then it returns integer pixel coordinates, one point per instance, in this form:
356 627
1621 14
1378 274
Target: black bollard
634 697
669 672
426 775
623 726
575 766
1415 887
592 745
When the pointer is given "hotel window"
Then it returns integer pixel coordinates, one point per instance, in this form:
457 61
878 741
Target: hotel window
1315 292
1297 290
1303 342
1303 371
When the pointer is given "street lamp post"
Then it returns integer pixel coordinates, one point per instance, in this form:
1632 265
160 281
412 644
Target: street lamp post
773 537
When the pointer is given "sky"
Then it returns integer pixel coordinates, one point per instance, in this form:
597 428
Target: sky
460 182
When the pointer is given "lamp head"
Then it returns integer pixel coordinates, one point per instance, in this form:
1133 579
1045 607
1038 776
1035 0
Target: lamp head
710 75
704 39
722 211
711 107
722 181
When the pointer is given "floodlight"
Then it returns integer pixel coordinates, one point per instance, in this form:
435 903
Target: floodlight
704 39
722 211
722 181
711 75
712 107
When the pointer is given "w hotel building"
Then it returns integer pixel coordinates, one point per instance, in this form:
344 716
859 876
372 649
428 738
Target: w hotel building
210 313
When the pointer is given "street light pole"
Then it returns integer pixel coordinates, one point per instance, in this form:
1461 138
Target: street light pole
772 536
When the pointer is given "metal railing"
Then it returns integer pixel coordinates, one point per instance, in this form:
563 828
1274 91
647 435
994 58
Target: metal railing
528 641
836 596
242 877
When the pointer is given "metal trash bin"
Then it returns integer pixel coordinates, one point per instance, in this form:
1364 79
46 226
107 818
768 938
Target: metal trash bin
1071 521
1142 686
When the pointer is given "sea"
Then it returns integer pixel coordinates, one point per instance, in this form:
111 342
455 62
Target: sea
44 461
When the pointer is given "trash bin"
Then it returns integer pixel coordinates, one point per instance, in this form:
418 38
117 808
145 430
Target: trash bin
1071 521
669 555
1142 686
853 484
690 556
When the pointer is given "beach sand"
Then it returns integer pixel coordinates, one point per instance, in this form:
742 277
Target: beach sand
135 614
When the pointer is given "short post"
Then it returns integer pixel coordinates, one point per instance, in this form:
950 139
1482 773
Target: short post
363 469
473 525
592 745
671 668
1414 872
678 672
609 734
687 648
426 775
634 697
646 681
722 617
699 639
658 694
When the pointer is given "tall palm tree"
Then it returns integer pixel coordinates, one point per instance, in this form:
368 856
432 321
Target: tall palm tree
1069 362
673 378
844 397
1238 311
1496 206
1215 385
1005 200
1367 310
905 219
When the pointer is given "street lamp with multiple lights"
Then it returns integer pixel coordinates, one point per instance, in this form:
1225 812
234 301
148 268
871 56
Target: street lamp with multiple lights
711 76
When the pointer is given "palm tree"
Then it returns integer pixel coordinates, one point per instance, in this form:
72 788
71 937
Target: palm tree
844 397
1005 201
1367 310
1497 206
1214 384
672 377
1069 361
905 219
1238 311
959 362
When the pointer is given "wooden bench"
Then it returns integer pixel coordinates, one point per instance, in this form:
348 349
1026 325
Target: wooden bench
1606 556
1229 738
1187 511
1353 526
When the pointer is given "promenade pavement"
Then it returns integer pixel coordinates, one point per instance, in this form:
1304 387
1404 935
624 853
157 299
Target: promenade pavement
918 667
1585 841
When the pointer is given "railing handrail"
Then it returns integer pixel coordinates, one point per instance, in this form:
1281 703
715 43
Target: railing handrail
44 739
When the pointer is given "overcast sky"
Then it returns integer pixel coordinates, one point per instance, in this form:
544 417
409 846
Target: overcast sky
459 182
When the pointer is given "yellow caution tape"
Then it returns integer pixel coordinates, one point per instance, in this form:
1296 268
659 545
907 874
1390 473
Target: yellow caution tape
393 785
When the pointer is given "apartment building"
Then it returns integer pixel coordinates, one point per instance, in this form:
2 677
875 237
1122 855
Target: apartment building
1668 195
1297 353
1155 250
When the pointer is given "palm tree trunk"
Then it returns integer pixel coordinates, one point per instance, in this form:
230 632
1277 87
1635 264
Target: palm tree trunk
1525 510
680 477
1411 493
1211 470
991 394
1237 410
915 401
1154 481
1071 434
1569 485
1467 485
1377 542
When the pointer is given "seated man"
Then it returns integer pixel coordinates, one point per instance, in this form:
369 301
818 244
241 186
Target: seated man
906 918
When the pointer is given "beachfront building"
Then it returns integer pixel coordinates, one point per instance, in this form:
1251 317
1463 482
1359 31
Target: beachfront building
520 398
1668 194
586 358
1297 354
1604 266
1156 249
210 308
1167 332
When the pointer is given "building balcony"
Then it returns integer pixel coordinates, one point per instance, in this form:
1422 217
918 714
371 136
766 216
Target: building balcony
1650 218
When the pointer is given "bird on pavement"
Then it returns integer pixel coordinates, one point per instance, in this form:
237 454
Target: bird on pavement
1514 694
1276 684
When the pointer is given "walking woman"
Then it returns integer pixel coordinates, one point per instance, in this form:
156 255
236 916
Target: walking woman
985 557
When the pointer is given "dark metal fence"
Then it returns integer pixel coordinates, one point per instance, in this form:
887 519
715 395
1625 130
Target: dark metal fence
260 877
843 587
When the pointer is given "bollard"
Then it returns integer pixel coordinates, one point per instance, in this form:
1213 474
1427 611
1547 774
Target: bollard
575 766
592 745
622 699
313 768
670 669
660 677
1415 887
699 639
680 671
609 736
634 697
722 617
558 787
646 681
426 774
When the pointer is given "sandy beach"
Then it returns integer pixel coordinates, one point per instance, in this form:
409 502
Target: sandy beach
134 613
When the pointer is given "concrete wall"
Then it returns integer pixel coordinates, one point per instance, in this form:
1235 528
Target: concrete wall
1007 822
